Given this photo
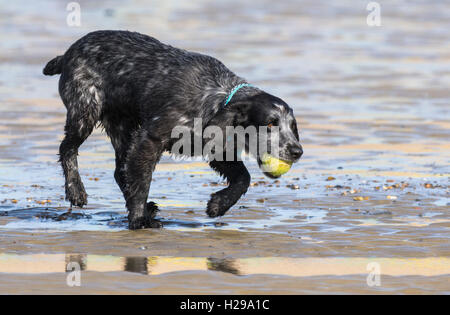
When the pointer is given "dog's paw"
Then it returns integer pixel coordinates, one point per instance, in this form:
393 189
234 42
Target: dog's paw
76 194
144 223
215 207
152 209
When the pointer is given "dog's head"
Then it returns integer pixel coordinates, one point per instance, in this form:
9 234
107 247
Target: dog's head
276 127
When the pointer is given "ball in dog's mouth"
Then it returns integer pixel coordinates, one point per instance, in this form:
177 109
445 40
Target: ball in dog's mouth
274 166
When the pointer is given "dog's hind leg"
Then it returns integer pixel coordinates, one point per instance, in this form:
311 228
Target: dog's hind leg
120 135
142 157
238 181
83 99
77 130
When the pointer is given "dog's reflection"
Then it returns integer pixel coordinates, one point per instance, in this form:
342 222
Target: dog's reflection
79 259
227 265
137 265
153 265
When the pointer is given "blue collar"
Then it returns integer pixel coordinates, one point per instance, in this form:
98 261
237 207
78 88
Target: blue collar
234 90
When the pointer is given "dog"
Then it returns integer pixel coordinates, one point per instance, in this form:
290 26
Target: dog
138 89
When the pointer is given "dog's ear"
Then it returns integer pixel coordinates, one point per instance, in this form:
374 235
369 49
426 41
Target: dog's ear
234 114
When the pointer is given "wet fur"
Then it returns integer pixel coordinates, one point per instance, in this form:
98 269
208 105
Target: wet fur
139 89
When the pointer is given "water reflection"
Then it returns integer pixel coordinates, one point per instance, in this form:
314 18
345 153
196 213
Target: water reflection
80 259
223 265
157 265
136 264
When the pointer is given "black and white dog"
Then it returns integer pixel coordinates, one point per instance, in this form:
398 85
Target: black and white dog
139 89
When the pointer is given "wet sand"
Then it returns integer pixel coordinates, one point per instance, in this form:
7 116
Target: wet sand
373 186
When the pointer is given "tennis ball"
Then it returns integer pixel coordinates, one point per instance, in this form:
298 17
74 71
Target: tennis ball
274 166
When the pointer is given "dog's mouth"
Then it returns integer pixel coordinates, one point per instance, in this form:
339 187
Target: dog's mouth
272 166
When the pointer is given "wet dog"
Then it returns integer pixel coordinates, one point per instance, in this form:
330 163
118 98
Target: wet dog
139 89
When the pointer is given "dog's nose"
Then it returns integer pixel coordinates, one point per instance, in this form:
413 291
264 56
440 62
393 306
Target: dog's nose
296 151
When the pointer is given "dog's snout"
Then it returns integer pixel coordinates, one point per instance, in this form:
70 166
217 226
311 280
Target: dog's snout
296 151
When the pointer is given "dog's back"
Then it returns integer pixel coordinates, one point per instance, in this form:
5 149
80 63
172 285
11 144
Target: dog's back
121 68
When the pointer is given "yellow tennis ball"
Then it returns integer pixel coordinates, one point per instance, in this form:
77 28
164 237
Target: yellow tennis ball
274 166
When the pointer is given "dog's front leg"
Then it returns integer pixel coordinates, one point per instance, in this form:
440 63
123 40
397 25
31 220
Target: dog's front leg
143 155
238 181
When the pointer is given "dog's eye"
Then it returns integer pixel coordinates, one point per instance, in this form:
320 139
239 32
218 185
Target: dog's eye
272 123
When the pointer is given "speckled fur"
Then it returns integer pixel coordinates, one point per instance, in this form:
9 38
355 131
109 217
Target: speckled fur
139 89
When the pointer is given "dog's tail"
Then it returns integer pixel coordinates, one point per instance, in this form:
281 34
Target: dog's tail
54 66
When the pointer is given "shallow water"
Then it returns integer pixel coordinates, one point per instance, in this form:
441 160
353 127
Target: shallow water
372 105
